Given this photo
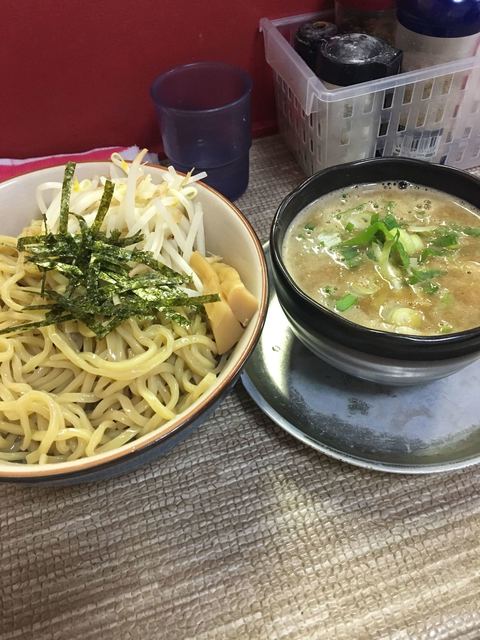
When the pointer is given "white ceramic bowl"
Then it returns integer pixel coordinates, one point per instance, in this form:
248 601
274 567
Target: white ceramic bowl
227 233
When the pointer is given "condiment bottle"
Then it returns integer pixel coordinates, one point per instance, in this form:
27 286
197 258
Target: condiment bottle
351 58
345 60
433 32
308 37
375 17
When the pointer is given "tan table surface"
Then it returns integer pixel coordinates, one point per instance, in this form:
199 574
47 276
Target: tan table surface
242 532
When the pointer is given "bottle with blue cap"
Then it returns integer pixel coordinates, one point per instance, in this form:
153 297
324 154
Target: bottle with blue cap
352 123
431 32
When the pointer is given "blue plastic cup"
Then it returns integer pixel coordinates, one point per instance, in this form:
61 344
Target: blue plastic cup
203 111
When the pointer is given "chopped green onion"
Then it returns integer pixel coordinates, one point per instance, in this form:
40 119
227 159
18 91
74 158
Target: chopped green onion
366 236
421 228
347 301
404 317
328 240
447 240
365 288
430 287
386 268
430 252
400 250
419 275
350 255
411 242
445 327
471 231
390 221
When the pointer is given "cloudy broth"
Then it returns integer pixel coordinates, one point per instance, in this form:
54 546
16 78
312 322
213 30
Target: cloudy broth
395 257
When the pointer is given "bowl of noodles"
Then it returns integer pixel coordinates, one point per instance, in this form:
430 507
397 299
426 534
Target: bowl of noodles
131 297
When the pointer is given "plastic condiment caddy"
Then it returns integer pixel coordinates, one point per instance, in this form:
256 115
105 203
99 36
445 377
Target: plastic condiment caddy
430 114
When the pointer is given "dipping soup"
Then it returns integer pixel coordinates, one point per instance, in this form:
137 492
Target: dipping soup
395 257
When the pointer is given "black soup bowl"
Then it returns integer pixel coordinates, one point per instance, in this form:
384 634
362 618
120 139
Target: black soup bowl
378 356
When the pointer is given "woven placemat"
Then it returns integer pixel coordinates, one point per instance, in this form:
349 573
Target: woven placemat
242 532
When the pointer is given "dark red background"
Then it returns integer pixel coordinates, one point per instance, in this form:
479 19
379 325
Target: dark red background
75 74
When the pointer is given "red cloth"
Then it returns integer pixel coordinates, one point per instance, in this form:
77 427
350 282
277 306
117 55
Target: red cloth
12 168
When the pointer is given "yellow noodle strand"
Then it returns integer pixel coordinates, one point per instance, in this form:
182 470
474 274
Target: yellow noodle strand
64 394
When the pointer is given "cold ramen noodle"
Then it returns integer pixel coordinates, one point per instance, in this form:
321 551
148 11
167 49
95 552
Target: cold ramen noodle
394 257
113 316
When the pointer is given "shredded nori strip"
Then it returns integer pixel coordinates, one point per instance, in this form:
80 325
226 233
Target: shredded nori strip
103 207
101 292
65 199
